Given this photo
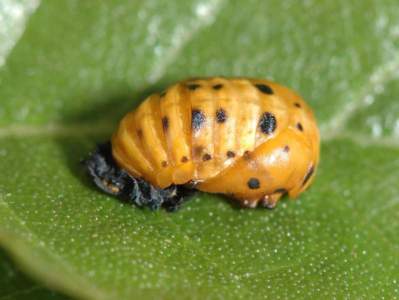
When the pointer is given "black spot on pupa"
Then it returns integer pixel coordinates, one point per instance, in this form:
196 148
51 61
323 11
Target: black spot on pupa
299 126
164 163
221 115
184 159
230 154
286 148
308 175
197 119
193 86
281 191
206 157
297 104
253 183
217 86
247 155
267 123
165 123
264 88
162 94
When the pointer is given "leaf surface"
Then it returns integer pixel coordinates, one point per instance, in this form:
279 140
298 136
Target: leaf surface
80 65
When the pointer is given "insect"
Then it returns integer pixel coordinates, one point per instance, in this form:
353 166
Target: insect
250 139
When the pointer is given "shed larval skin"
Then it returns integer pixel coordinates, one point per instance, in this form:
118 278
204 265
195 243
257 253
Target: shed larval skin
251 139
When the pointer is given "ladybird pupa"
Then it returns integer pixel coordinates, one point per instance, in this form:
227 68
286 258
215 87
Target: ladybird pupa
251 139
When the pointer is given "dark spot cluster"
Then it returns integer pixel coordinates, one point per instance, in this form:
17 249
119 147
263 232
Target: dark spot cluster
197 119
230 154
164 163
206 157
286 148
297 104
221 115
193 86
308 175
265 89
165 123
198 151
253 183
299 126
281 191
267 123
184 159
247 155
217 86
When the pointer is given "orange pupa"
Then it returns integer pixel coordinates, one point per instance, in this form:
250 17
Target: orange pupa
250 139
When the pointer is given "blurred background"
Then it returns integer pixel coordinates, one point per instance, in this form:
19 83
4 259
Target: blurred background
70 69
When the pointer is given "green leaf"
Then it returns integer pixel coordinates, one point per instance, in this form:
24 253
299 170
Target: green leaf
15 285
80 65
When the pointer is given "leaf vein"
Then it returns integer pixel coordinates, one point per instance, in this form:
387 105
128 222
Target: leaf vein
206 14
381 75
